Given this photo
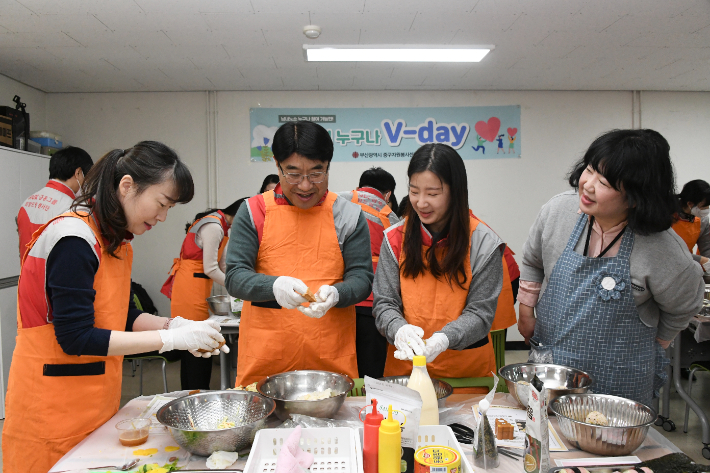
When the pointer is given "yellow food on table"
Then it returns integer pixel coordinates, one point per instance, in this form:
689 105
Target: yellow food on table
172 448
596 418
226 424
147 451
250 388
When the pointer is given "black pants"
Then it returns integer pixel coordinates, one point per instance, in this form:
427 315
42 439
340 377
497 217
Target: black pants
195 373
371 347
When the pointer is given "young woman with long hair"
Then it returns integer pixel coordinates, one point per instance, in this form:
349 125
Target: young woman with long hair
439 274
75 319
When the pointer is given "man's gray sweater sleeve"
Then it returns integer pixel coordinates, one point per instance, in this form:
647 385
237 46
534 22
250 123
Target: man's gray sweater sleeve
358 274
241 280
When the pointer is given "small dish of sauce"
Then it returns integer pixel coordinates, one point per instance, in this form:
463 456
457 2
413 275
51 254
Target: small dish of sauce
133 432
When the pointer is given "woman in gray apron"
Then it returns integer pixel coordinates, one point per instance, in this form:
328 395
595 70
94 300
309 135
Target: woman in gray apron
611 284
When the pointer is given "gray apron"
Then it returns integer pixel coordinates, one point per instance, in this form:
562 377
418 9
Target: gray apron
588 318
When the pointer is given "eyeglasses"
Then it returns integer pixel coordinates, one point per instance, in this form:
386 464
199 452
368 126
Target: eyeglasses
295 178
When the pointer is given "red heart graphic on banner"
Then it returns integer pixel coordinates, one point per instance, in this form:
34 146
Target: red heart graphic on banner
488 131
512 131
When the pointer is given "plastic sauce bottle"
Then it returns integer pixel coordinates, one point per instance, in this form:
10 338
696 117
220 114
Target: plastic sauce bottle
389 452
421 382
371 437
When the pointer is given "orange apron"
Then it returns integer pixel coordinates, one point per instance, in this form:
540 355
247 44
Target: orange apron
688 231
430 303
55 400
190 287
301 244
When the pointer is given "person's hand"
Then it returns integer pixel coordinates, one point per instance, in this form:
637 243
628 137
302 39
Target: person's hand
193 337
526 322
326 298
436 345
664 343
408 341
288 290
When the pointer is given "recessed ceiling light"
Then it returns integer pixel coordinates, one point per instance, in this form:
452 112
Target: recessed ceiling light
311 31
396 53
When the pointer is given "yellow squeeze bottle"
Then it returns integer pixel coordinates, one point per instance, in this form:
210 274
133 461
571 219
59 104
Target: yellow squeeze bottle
389 445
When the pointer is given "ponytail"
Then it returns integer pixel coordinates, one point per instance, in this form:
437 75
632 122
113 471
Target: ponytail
148 163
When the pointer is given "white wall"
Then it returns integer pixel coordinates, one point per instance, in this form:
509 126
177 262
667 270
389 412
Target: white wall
102 122
34 98
506 193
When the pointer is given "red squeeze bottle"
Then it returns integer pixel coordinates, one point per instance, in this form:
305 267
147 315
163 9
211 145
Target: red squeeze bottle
371 439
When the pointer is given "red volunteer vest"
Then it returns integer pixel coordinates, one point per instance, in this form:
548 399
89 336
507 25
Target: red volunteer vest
52 200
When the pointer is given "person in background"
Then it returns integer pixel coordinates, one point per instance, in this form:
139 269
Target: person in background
609 281
67 168
691 222
392 203
285 241
201 263
403 207
269 183
374 190
439 275
75 319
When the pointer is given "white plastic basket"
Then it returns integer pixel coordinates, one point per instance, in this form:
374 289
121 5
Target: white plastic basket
335 450
442 435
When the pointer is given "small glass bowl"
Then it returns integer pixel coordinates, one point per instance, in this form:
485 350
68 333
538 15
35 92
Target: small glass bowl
133 432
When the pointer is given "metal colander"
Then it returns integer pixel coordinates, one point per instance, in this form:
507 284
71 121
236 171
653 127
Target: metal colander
193 420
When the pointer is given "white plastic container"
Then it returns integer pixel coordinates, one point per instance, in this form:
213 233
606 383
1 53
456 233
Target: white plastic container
347 457
335 450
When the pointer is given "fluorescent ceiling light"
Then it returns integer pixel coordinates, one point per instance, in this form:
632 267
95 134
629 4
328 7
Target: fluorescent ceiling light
394 53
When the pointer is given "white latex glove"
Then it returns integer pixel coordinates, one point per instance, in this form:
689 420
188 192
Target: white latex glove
192 337
435 346
326 297
408 341
178 322
288 290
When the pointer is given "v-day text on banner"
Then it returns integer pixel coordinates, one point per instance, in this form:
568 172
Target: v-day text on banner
394 134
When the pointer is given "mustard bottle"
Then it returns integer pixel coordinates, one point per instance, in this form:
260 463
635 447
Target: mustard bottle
389 445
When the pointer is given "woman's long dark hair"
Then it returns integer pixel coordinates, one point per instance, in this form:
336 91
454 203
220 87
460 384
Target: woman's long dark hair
639 163
448 166
231 210
148 163
270 179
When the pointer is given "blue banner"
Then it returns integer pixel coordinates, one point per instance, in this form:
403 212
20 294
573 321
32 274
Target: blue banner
394 134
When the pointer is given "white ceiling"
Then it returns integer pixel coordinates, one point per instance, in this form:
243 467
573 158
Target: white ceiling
184 45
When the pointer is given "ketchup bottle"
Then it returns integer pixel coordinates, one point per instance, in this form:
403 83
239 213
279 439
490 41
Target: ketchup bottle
371 437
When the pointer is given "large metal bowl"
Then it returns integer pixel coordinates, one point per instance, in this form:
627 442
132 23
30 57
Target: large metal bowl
284 388
628 423
442 388
193 420
558 380
220 305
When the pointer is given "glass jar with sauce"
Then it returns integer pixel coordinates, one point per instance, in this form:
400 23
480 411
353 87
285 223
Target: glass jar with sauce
133 432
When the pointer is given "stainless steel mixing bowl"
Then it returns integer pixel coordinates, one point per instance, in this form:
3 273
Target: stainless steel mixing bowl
193 420
442 388
628 423
558 380
284 388
220 305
